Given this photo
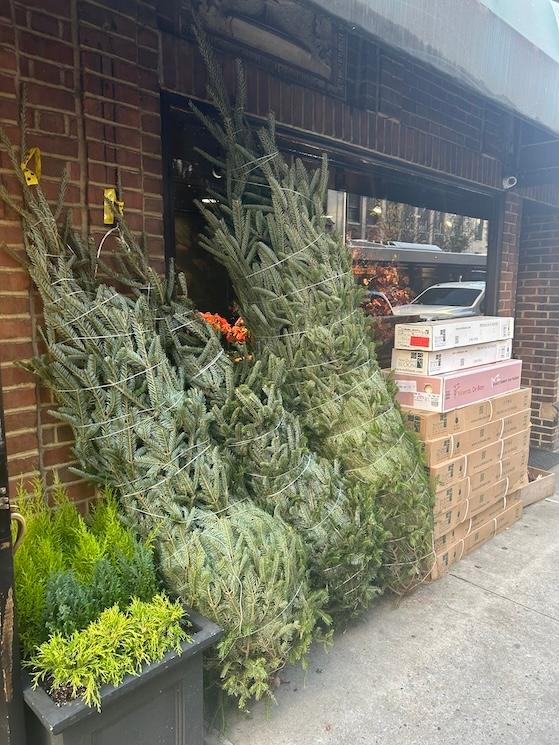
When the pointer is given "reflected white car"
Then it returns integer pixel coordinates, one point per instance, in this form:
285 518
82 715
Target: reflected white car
446 300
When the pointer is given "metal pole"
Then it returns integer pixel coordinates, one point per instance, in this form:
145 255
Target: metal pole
12 731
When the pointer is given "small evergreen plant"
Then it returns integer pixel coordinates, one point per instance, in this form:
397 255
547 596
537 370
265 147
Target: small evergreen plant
67 572
118 643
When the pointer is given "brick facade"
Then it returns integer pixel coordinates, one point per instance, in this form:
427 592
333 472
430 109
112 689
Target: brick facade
94 70
537 319
91 80
510 239
421 118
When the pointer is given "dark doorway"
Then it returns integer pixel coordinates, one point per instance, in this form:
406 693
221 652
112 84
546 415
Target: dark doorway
189 178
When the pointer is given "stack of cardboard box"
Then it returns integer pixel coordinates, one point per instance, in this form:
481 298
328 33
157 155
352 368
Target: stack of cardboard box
461 394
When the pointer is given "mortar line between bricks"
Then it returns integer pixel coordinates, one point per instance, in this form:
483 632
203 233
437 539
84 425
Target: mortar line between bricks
505 597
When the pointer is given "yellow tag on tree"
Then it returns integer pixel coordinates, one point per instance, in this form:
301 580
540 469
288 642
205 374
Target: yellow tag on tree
31 166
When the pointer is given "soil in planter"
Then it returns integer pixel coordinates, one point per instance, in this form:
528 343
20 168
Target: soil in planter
63 694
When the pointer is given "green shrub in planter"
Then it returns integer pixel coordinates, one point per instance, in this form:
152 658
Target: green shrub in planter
87 594
71 605
118 643
68 571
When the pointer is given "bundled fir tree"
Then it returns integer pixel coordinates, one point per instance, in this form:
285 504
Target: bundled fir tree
238 569
190 343
139 429
275 468
284 477
296 290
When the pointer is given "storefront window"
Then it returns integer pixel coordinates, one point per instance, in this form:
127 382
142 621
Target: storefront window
354 208
401 251
383 221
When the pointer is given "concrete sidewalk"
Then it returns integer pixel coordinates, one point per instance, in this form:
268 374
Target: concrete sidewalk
470 660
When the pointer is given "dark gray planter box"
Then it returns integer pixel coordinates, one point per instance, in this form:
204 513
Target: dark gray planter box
162 706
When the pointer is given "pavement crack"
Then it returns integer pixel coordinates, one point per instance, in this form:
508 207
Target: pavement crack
504 597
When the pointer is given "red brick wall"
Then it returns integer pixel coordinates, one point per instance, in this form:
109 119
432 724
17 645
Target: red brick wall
421 117
93 70
36 48
93 93
510 237
537 321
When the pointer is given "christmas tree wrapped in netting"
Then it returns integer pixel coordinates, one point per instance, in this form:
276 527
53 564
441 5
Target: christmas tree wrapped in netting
142 431
284 477
274 466
189 341
295 288
233 568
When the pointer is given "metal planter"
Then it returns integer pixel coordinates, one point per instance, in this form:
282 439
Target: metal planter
161 706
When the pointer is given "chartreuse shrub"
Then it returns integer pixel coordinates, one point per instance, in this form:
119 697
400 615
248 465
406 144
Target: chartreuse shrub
68 570
118 643
87 596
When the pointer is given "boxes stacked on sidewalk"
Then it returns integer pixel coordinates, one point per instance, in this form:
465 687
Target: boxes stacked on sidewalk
460 392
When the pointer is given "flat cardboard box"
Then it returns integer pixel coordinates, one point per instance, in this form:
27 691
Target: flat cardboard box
481 480
477 536
510 403
462 530
461 495
451 390
448 360
470 464
448 472
451 446
514 469
430 426
502 520
449 496
518 482
541 485
469 486
517 443
512 464
516 423
445 521
458 332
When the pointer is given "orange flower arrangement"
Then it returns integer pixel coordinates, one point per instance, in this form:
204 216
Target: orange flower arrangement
236 333
217 322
